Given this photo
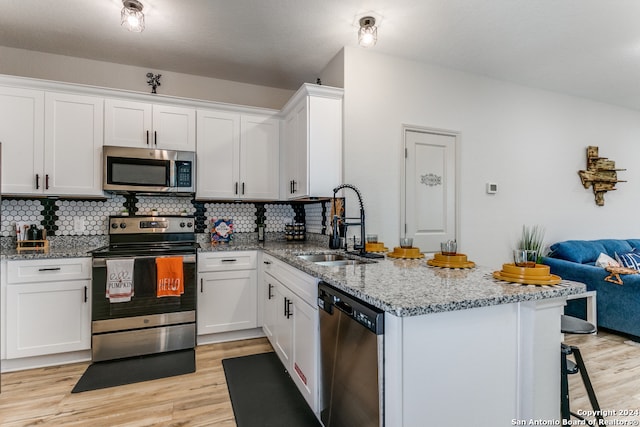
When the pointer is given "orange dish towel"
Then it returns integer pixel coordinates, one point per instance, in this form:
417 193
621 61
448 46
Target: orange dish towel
170 277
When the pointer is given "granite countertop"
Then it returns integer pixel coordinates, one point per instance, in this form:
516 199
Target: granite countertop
55 252
411 287
398 286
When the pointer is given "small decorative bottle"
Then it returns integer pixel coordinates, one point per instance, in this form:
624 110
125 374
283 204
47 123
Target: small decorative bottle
260 232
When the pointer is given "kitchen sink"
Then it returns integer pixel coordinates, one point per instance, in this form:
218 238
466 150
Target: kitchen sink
324 257
331 260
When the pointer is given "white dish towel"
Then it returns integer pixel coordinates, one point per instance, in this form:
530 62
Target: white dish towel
119 280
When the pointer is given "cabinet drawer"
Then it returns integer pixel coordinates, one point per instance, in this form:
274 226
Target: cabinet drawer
226 261
48 270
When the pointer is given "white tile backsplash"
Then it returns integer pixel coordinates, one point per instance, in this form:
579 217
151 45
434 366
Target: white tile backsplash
90 217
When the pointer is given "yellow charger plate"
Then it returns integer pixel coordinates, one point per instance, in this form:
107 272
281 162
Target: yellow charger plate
436 263
552 280
406 253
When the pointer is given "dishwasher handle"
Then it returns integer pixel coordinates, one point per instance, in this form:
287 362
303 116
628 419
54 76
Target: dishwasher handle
344 307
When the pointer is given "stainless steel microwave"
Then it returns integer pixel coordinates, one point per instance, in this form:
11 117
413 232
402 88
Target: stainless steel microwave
144 170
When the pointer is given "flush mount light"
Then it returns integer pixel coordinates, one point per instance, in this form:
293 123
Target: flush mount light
368 33
131 16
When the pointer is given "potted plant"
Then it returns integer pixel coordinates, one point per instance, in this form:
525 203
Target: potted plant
532 238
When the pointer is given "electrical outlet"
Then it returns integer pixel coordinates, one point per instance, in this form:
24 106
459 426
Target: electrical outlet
78 224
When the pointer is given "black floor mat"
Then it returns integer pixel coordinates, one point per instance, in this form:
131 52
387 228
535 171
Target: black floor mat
136 369
264 395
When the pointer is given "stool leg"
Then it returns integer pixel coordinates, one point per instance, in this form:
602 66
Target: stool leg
564 383
587 382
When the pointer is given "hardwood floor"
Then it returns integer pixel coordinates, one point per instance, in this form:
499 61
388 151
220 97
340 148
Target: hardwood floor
613 364
42 397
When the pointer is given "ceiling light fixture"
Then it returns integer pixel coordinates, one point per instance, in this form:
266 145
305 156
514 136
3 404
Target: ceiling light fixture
368 33
131 16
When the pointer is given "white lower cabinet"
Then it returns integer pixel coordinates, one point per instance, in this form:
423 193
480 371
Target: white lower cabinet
48 309
228 293
227 301
291 322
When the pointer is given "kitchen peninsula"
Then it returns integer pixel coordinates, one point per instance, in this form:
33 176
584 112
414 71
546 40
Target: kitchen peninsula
461 348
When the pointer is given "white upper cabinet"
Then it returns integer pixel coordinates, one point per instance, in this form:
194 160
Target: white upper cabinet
73 144
311 152
51 143
22 138
139 124
237 156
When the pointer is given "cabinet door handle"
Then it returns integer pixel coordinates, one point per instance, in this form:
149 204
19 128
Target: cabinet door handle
147 137
201 285
291 187
37 181
266 262
289 313
229 260
155 137
86 294
285 307
50 269
269 296
243 188
294 186
236 188
46 182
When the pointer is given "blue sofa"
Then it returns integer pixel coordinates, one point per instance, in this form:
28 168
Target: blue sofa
618 306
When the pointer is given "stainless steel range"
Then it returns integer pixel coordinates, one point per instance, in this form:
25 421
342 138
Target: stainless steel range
134 311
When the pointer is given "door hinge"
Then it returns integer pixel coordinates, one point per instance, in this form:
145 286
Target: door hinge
406 153
405 229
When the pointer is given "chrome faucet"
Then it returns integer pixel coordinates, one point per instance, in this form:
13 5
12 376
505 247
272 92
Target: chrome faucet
337 218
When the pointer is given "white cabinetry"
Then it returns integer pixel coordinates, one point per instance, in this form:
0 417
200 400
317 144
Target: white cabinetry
238 156
138 124
52 142
291 323
311 153
48 307
22 137
228 292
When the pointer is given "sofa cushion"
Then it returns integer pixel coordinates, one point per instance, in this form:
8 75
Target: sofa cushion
635 243
629 260
587 251
580 251
615 246
605 260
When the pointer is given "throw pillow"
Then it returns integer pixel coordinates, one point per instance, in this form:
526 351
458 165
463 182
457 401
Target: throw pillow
629 260
605 260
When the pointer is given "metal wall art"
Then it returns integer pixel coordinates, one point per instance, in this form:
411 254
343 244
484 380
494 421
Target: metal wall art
153 80
601 174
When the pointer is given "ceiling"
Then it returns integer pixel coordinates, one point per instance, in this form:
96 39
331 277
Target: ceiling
588 48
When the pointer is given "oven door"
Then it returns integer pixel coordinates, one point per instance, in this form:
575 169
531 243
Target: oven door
147 324
145 301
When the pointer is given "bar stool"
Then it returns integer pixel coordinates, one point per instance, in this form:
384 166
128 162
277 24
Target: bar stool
573 325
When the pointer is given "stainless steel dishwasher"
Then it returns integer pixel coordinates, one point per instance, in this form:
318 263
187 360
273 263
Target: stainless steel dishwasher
352 360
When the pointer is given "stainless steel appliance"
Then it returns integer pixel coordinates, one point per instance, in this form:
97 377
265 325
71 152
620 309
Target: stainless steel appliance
144 170
352 360
146 324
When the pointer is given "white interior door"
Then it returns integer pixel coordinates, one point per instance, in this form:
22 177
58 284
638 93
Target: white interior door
430 188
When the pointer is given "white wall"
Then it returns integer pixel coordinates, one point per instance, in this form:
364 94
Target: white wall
25 63
531 142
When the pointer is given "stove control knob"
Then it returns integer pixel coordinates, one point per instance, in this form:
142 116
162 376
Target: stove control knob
123 225
189 225
114 225
182 225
